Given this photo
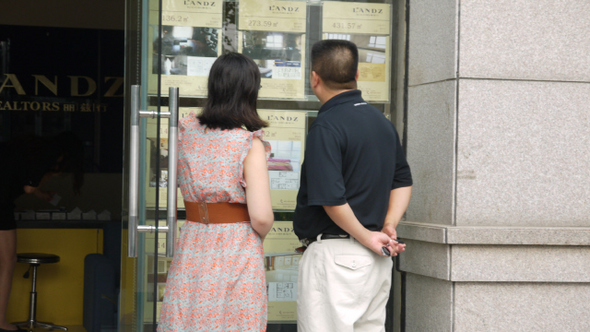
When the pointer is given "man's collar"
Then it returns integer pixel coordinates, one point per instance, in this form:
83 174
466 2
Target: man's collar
344 97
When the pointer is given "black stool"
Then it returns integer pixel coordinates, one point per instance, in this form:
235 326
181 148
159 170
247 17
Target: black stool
35 259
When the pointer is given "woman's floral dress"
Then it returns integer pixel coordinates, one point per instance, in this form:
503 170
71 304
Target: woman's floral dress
216 281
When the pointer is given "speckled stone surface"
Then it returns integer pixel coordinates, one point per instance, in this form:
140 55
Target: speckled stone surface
521 39
430 151
427 259
498 229
523 153
523 307
547 236
421 231
502 254
433 41
428 304
495 235
520 263
499 263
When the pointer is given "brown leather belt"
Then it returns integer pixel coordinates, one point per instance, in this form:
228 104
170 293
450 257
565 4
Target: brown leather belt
216 213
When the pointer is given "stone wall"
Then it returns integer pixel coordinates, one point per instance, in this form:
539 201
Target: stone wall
498 138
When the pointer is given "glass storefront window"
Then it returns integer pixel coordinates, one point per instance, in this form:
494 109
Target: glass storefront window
174 43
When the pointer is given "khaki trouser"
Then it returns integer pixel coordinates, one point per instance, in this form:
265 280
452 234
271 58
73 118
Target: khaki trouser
342 286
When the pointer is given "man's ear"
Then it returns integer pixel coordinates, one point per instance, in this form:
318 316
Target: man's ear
356 77
314 79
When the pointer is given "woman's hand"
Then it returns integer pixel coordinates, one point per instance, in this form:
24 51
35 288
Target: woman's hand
42 195
29 189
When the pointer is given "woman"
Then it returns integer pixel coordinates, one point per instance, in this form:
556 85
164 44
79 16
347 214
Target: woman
27 162
216 281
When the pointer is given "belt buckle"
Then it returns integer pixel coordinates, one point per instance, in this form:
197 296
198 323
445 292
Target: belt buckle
203 213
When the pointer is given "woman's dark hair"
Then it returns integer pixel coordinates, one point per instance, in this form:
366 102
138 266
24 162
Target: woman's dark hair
336 62
233 86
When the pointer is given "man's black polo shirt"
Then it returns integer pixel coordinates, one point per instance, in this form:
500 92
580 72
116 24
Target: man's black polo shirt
353 155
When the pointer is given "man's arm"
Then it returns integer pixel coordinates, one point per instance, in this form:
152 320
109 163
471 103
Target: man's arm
399 199
343 216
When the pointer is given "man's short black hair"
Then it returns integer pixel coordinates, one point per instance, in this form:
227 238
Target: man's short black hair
336 62
232 94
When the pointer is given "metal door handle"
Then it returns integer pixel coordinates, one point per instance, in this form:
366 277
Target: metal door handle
172 171
133 174
134 158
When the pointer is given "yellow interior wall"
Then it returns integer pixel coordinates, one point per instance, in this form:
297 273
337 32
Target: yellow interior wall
60 286
128 286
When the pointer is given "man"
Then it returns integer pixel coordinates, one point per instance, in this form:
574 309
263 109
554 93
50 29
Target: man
355 187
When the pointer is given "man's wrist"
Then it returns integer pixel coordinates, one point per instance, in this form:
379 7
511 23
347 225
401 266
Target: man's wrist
392 224
364 237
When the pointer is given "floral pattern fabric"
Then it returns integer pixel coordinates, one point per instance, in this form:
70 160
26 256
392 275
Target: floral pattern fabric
216 281
210 162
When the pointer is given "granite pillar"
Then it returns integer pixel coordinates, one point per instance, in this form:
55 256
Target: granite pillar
498 138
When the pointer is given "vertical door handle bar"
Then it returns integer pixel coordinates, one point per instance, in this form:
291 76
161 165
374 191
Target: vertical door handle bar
172 170
134 157
133 174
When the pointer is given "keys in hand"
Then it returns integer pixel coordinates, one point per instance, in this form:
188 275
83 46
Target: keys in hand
386 251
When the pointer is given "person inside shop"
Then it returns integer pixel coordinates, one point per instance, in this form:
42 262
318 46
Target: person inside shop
26 163
355 187
216 281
